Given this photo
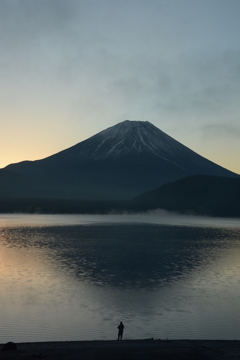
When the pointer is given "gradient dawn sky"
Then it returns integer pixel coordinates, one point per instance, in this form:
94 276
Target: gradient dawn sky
71 68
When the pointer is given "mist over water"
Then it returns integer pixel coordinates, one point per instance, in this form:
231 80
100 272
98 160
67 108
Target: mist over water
75 277
152 216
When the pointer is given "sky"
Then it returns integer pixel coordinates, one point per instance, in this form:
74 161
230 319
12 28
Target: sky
72 68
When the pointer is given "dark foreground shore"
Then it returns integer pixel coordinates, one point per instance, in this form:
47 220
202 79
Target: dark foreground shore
126 350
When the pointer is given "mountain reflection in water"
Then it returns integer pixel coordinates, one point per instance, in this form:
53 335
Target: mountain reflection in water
162 280
124 255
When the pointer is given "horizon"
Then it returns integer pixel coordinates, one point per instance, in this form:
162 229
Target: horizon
85 67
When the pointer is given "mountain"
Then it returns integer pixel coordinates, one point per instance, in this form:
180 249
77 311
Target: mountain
120 162
196 194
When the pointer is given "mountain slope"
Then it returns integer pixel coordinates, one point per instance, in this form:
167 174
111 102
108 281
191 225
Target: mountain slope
118 163
198 194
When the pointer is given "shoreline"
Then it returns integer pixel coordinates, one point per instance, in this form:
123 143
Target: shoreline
125 349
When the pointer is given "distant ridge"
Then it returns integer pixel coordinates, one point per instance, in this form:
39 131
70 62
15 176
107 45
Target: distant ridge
117 163
196 194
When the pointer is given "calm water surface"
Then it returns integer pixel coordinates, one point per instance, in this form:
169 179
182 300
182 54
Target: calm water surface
75 277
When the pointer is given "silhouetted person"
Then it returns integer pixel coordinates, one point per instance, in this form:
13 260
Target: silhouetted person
120 331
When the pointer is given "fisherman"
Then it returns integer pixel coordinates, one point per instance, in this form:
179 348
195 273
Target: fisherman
120 330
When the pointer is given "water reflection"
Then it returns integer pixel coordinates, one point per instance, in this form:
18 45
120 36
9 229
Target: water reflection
126 255
144 256
163 281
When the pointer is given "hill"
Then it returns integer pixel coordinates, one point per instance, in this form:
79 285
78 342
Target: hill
198 194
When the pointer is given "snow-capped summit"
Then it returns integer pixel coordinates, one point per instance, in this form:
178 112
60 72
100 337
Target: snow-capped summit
131 137
120 162
126 138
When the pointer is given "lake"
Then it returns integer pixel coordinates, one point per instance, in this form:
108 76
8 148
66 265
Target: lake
75 277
